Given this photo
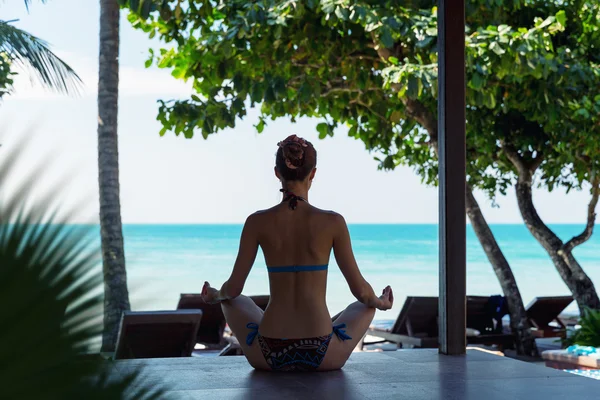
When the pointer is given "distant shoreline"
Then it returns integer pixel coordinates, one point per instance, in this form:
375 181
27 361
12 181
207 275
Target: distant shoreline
407 224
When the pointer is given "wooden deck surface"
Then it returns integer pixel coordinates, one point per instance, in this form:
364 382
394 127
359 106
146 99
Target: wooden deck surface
403 374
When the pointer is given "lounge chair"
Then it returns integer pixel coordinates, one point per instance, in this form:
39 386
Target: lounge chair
157 334
417 323
484 322
542 311
210 332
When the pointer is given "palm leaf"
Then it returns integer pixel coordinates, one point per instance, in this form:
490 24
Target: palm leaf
29 52
589 334
28 2
51 300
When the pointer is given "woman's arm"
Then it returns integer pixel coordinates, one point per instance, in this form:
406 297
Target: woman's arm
233 287
360 288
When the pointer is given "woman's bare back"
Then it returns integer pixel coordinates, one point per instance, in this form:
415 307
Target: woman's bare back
303 236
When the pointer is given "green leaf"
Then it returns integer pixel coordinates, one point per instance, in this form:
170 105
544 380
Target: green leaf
413 87
135 5
260 126
388 163
561 17
145 8
393 60
425 42
269 95
178 73
495 47
323 129
582 112
490 100
476 81
341 13
396 116
386 37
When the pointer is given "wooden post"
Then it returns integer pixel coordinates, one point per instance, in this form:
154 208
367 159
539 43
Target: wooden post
452 176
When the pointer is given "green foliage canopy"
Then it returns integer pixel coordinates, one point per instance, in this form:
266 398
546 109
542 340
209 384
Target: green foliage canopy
532 71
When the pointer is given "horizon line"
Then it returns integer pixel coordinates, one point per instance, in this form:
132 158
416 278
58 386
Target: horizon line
349 223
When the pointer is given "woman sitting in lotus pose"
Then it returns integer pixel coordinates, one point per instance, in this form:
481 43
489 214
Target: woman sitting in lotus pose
296 332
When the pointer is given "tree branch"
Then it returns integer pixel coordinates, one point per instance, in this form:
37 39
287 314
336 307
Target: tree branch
342 89
303 64
524 169
591 221
515 158
362 104
417 110
536 162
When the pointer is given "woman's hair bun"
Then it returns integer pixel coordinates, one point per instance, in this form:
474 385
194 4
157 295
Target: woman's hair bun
295 158
293 151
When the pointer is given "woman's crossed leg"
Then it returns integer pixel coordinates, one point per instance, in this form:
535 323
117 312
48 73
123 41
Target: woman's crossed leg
239 312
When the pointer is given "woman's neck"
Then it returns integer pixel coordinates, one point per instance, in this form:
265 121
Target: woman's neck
297 190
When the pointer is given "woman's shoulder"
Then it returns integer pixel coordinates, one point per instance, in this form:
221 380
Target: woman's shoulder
257 215
329 215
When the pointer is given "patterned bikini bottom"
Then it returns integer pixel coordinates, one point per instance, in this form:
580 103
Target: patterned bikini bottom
294 354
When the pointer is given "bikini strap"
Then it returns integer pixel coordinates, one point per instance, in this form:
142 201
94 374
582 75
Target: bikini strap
253 332
340 332
292 198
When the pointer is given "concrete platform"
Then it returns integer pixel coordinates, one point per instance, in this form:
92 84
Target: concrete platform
402 374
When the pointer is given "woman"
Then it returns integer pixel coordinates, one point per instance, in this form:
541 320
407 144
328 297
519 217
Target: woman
295 332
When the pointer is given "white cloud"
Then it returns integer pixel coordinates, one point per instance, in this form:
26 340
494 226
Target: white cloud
133 81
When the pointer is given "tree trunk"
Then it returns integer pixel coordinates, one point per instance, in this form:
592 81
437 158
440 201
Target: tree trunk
580 285
519 322
116 296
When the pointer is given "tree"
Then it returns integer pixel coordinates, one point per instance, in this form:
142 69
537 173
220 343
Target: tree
373 67
543 131
24 50
116 295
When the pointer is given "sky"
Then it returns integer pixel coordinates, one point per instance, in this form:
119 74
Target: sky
176 180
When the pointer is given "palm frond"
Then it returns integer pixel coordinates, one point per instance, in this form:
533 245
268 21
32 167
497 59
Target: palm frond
51 311
28 2
589 334
29 52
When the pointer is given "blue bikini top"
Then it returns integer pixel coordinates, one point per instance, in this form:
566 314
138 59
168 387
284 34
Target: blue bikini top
298 268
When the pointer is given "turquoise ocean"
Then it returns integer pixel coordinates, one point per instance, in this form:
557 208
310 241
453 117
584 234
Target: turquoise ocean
166 260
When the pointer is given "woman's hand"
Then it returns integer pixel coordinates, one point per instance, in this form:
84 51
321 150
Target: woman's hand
210 295
386 300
